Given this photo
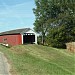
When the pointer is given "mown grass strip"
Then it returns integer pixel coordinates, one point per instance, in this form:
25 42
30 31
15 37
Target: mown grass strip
39 60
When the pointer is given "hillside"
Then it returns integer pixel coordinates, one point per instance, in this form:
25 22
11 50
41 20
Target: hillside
40 60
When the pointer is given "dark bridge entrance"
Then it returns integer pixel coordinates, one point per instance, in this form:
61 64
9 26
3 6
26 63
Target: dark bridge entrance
28 38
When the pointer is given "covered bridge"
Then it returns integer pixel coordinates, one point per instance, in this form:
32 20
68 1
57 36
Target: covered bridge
18 36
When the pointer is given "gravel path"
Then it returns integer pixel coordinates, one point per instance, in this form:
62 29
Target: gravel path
4 66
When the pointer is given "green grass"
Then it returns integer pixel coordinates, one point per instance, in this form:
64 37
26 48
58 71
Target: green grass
40 60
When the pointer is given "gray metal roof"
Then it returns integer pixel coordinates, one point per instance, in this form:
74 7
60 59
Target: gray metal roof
16 31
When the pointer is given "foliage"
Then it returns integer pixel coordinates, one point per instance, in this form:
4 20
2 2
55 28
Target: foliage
39 40
62 30
42 22
57 19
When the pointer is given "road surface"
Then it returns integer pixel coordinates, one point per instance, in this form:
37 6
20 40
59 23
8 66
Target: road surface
4 66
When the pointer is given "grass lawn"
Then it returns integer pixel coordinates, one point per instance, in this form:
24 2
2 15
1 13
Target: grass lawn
40 60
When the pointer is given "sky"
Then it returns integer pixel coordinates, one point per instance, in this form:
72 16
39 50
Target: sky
16 14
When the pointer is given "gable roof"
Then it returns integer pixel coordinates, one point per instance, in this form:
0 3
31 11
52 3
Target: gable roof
16 31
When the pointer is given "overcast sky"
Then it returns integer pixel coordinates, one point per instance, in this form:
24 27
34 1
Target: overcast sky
16 14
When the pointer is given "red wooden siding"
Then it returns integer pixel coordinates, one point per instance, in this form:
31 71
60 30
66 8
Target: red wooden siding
11 39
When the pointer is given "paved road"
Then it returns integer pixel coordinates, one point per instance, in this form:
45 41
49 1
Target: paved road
3 65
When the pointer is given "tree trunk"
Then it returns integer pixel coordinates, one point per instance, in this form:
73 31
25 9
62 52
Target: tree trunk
43 38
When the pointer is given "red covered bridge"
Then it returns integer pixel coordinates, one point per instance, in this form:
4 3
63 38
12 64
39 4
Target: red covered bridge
18 36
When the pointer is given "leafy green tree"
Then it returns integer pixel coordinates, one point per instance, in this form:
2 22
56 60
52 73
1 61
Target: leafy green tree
42 14
56 20
64 26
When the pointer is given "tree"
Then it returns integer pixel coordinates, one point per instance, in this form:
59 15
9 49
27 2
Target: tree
42 14
55 19
63 29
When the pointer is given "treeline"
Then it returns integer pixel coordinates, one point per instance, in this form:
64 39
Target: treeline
55 21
